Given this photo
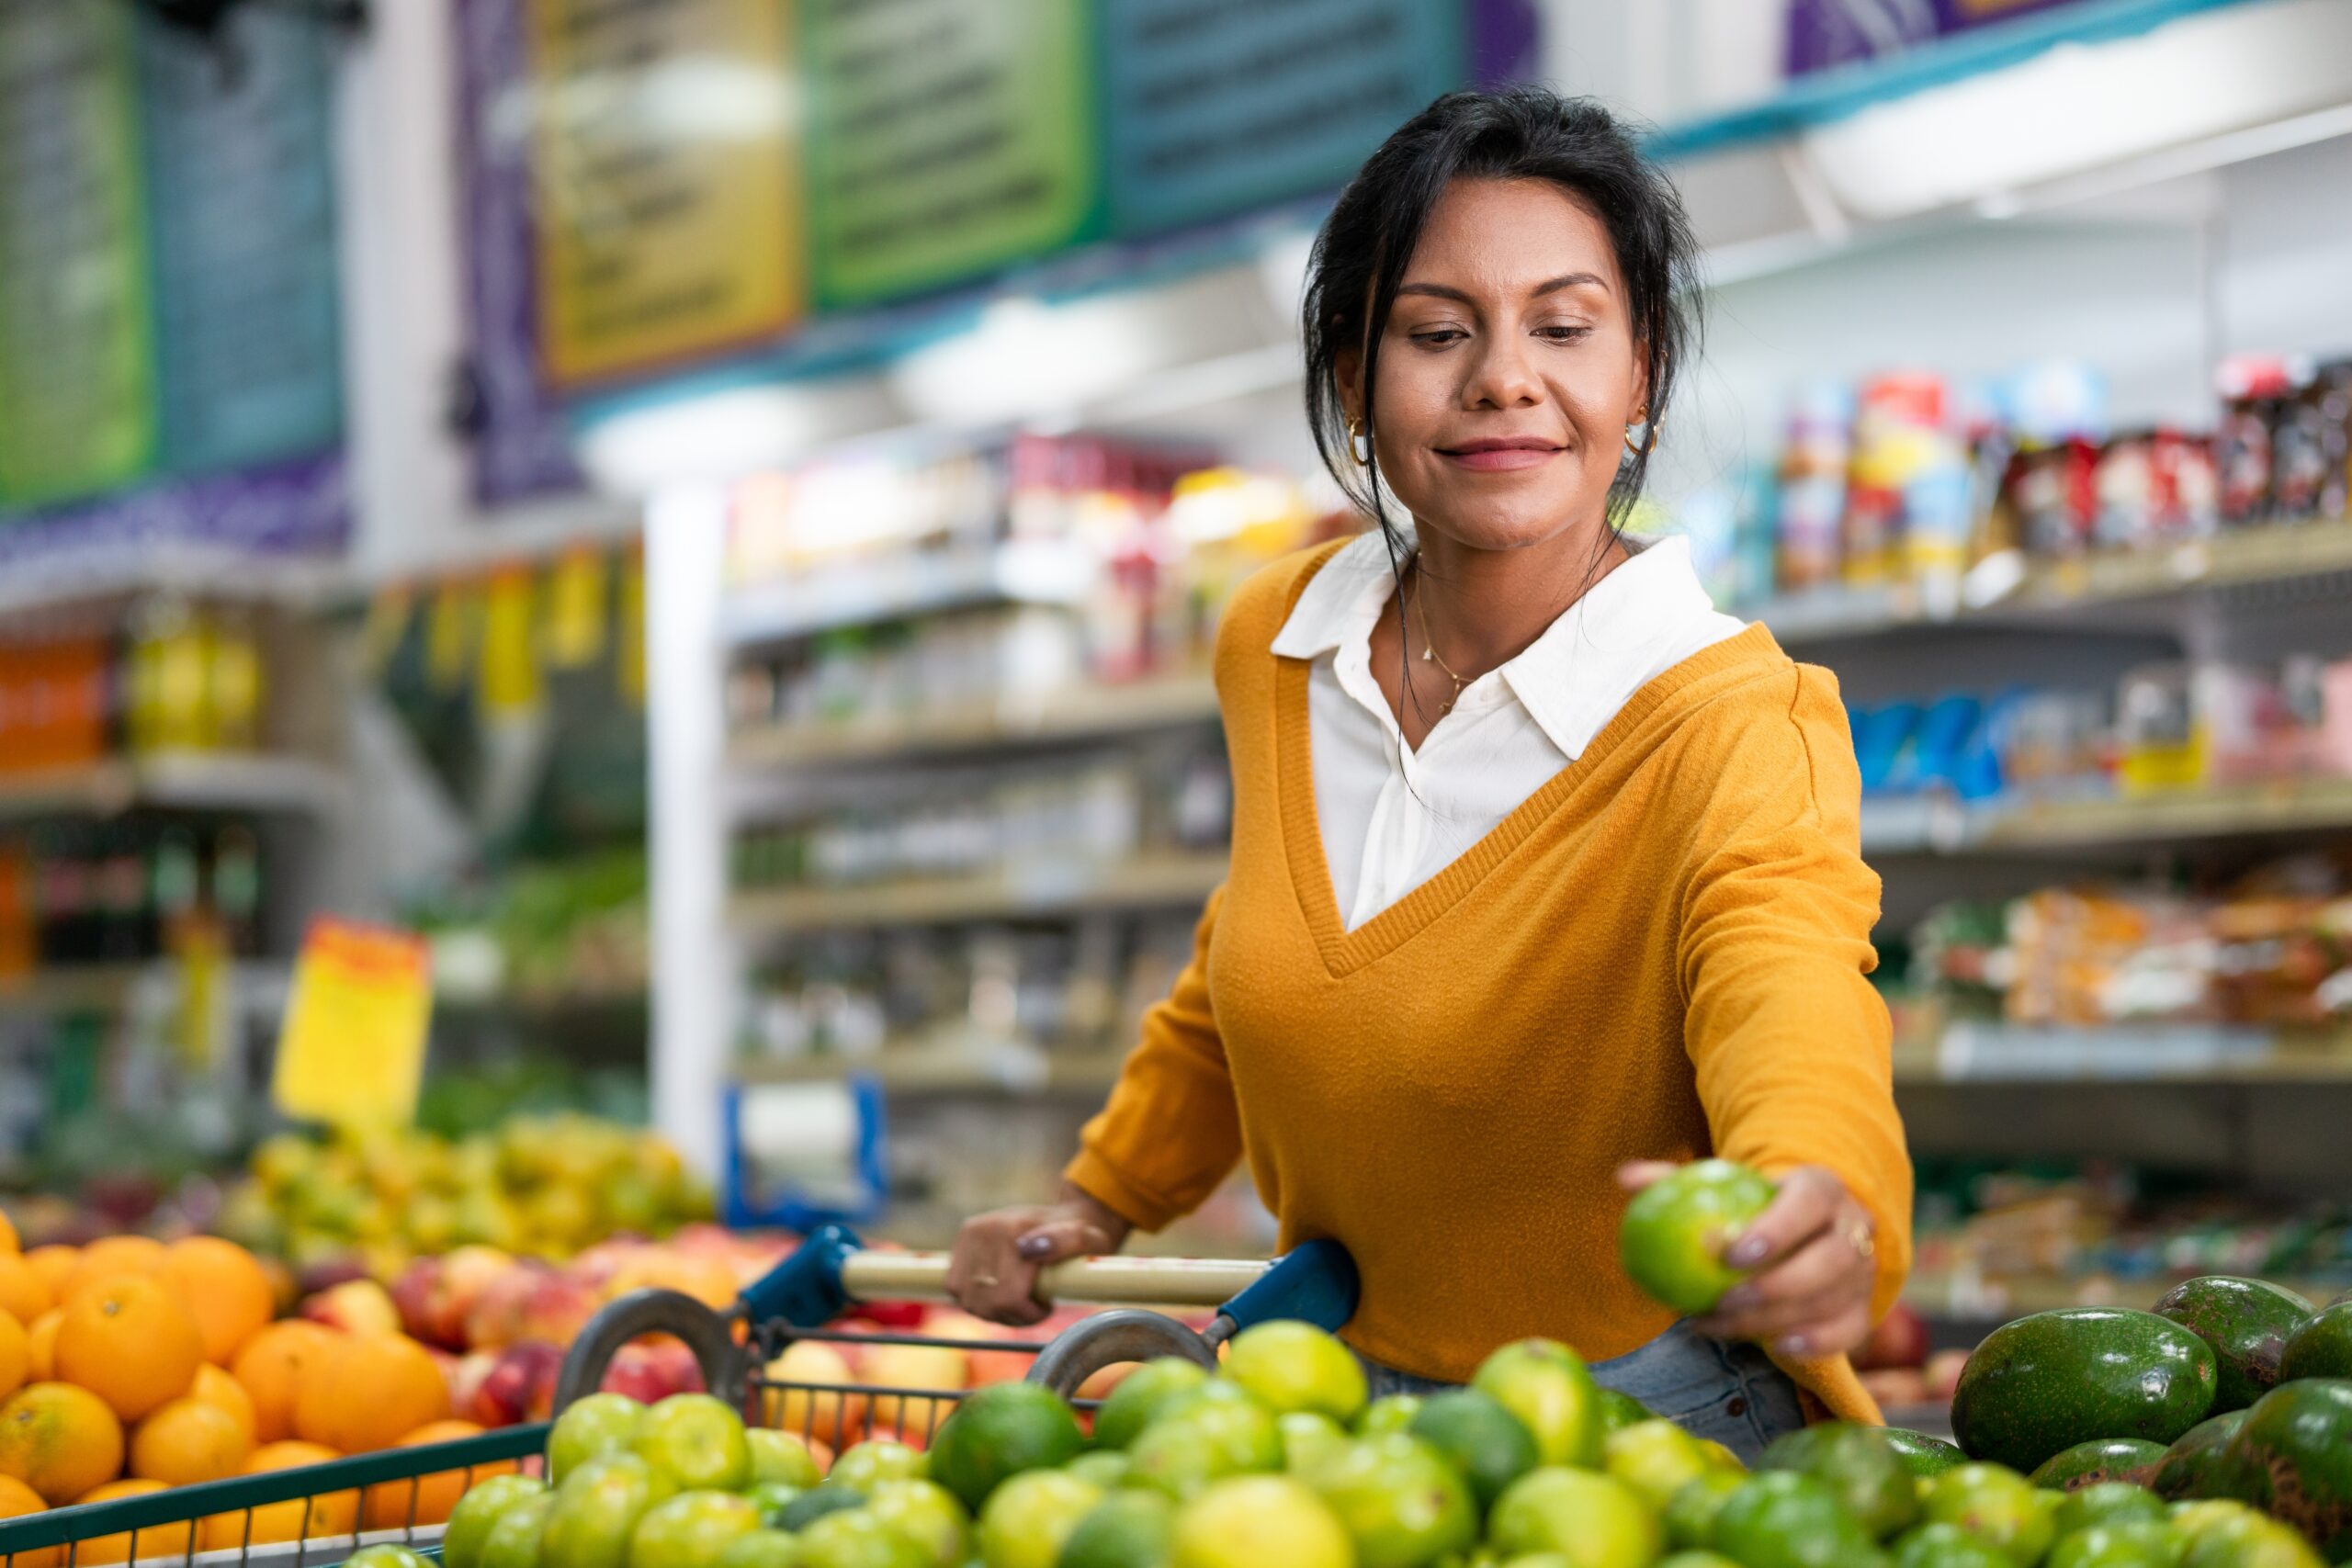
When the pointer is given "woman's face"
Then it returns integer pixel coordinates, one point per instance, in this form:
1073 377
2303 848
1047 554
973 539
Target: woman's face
1507 368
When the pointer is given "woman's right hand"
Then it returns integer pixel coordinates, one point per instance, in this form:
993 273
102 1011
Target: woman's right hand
993 1273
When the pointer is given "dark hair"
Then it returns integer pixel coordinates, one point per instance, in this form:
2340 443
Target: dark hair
1519 133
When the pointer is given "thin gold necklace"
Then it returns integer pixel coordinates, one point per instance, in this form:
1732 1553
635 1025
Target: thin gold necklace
1429 648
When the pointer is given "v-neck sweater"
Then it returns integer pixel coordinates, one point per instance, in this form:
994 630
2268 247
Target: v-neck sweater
1661 954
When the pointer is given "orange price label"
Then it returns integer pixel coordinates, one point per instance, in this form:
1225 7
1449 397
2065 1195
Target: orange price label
351 1047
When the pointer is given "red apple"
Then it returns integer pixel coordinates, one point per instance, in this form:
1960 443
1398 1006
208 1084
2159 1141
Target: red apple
1942 1372
648 1371
414 1293
494 1320
520 1386
1899 1341
467 1377
556 1310
355 1306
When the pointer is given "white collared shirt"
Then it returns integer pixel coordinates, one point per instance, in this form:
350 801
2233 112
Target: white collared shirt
1392 817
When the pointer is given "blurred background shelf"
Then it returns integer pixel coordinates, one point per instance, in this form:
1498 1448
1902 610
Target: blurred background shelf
894 586
1081 712
1144 881
1007 1070
1937 826
2020 1055
192 782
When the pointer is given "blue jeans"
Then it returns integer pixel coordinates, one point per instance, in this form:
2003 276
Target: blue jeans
1731 1393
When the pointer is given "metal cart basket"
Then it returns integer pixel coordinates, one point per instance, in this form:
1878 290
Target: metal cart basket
242 1522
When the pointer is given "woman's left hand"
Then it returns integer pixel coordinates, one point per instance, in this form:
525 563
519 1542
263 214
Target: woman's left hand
1809 1262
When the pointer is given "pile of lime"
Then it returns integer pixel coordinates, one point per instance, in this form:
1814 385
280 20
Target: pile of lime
1280 1461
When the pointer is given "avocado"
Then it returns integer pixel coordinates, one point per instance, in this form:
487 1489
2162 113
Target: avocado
2109 1502
1859 1465
2293 1457
2321 1348
2101 1458
2138 1544
2192 1467
2246 1322
2043 1383
1923 1455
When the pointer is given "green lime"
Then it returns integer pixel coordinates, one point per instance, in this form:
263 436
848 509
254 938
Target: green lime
1260 1521
385 1554
1545 1384
1995 1504
1480 1439
1295 1365
1784 1518
1308 1439
868 1464
1947 1546
1687 1559
1104 1466
1399 1501
1029 1518
1621 1410
477 1510
1691 1513
1857 1464
514 1540
697 1441
814 1505
780 1456
1656 1458
589 1428
999 1432
927 1514
771 1498
761 1549
2109 1502
1140 1397
1593 1520
596 1510
1390 1413
856 1539
1126 1529
2125 1543
691 1530
1217 1430
1675 1231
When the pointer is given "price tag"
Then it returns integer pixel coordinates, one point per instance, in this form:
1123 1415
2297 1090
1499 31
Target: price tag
509 677
351 1047
574 631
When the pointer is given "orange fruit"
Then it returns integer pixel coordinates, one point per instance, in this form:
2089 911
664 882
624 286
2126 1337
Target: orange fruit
127 1341
428 1500
15 1354
60 1440
274 1366
16 1500
54 1264
24 1295
187 1441
225 1287
814 1408
298 1518
154 1540
107 1257
371 1391
8 1240
216 1387
41 1347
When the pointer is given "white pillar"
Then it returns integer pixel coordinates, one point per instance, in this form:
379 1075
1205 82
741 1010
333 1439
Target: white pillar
695 966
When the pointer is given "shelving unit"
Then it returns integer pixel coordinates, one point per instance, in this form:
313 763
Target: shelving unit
1050 888
1087 712
193 782
898 587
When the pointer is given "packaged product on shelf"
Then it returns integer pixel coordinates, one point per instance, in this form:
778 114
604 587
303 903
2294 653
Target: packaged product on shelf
2255 391
1813 478
2309 446
54 707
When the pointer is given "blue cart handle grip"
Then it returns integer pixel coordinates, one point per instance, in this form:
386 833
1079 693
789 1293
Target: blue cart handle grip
1314 1282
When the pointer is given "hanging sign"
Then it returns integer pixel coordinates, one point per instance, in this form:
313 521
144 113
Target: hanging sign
1212 108
244 234
76 354
351 1047
945 138
665 170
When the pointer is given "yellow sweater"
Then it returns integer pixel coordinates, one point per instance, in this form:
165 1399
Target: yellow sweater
1659 955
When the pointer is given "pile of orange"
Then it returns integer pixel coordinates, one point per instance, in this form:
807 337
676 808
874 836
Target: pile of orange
129 1365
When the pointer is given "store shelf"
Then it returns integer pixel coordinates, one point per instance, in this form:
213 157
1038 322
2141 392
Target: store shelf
103 988
2054 592
1976 1053
99 575
193 782
1006 1068
1074 713
1937 826
888 587
1045 888
1974 1298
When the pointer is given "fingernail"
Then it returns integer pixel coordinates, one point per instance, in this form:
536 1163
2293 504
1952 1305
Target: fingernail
1034 1246
1734 1301
1746 1250
1796 1345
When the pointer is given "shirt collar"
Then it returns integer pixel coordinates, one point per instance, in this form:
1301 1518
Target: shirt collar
1574 677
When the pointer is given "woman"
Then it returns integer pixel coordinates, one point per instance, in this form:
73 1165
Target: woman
1545 874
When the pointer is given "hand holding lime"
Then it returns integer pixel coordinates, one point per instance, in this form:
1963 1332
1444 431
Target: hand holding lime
1677 1229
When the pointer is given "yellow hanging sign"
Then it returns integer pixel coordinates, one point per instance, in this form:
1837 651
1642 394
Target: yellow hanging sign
510 664
351 1047
572 634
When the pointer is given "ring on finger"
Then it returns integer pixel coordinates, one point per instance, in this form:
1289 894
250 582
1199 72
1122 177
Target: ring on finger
985 1282
1856 1234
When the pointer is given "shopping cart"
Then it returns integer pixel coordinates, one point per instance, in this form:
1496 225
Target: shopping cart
349 1503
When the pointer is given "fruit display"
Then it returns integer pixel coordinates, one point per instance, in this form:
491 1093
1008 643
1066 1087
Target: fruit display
544 1187
1280 1459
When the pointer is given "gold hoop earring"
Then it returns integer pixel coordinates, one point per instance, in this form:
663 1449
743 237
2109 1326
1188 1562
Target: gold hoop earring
1649 445
1359 445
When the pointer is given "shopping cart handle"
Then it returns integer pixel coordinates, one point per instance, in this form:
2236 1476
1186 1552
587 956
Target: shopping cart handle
1314 1282
805 1290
